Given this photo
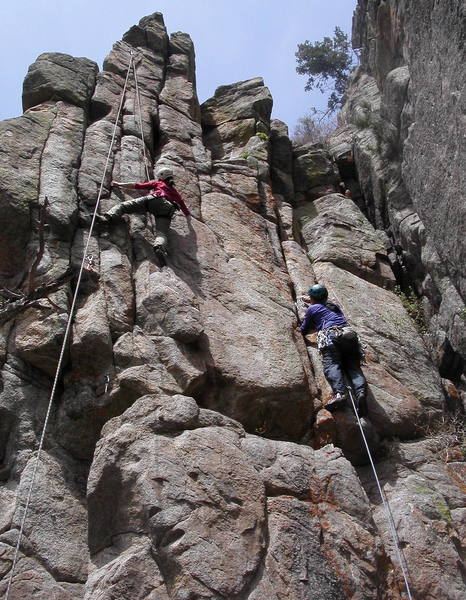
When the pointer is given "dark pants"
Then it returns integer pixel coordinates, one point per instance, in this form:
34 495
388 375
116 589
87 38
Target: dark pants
340 361
163 211
160 207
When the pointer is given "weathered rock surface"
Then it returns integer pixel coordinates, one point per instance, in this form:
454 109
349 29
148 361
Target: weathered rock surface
189 453
426 497
204 494
334 230
409 152
59 76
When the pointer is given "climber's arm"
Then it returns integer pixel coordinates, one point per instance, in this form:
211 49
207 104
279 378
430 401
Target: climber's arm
307 326
128 185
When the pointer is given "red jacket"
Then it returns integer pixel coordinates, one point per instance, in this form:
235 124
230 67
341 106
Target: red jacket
160 188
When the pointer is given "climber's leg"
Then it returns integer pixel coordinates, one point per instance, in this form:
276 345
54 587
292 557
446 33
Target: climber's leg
331 359
162 225
352 368
163 211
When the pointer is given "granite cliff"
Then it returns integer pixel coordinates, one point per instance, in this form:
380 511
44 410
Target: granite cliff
188 453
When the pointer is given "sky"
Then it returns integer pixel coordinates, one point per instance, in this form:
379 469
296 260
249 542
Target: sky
234 40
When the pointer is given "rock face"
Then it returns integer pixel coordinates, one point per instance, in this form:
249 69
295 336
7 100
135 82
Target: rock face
409 153
188 452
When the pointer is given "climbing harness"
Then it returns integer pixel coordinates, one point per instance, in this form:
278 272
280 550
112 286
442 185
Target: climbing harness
324 337
344 337
87 257
388 512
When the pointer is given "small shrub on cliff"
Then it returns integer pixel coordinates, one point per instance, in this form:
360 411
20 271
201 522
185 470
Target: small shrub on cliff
309 129
262 136
447 432
413 307
364 118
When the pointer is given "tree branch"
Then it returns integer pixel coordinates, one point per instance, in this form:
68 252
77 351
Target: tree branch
12 307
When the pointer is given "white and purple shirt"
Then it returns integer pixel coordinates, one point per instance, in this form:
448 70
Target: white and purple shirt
319 317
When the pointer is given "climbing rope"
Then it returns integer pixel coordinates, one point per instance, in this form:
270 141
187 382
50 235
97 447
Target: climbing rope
138 99
65 339
388 512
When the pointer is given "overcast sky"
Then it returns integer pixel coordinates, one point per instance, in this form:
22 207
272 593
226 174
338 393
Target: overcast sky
234 40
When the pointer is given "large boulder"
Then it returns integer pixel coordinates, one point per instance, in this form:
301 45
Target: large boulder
59 76
192 508
335 230
198 509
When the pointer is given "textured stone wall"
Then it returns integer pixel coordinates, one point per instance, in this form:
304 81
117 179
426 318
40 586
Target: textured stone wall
189 453
406 108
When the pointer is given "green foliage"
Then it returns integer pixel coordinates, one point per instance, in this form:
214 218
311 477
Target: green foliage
262 136
245 155
437 501
328 60
363 120
413 307
443 510
398 322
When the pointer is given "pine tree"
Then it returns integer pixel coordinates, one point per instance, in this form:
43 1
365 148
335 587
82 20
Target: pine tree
330 59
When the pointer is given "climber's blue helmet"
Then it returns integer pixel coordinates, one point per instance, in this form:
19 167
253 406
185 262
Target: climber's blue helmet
318 292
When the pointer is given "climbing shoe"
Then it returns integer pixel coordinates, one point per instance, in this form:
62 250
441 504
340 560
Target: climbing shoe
161 253
361 407
336 403
160 250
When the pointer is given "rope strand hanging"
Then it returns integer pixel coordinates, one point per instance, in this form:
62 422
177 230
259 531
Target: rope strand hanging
66 336
138 100
388 512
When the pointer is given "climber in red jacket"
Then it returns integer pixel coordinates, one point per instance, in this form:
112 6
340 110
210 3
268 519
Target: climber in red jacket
161 201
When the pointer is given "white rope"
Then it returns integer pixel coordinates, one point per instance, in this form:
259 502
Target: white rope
388 512
65 339
138 99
